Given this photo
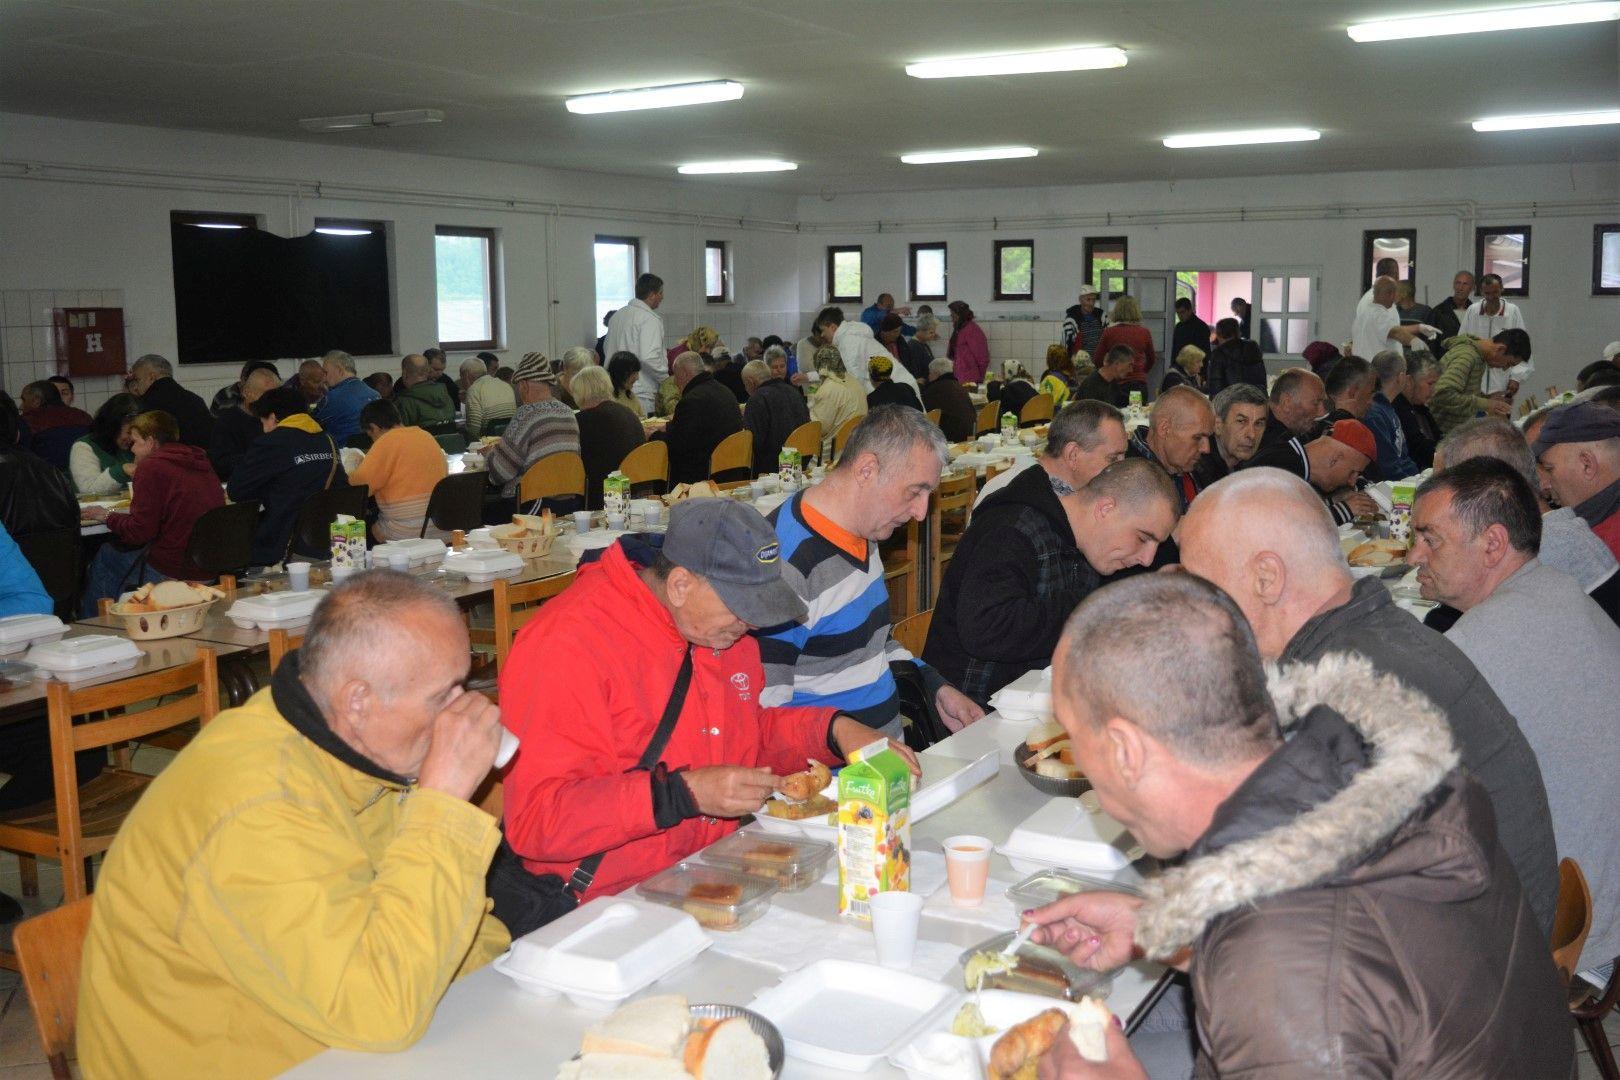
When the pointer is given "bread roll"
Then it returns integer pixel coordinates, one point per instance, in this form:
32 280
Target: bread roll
1018 1050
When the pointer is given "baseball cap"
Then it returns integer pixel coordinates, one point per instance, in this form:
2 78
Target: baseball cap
1088 289
1581 423
735 550
1354 434
534 366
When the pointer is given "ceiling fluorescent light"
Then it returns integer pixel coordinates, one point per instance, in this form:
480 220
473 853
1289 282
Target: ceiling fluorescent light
215 225
357 121
745 165
1548 120
987 153
1242 138
1479 22
333 230
656 97
1084 58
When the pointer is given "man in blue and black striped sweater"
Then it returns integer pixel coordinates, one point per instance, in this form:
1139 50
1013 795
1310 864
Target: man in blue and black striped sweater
839 656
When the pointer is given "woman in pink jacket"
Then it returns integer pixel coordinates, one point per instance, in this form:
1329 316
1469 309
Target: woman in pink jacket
968 349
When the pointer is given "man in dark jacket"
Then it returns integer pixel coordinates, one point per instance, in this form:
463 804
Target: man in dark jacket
774 410
34 497
1190 329
1263 537
53 425
1343 894
958 416
1417 423
1234 359
152 380
436 360
912 354
1028 557
237 428
291 462
1298 403
707 413
421 400
1447 315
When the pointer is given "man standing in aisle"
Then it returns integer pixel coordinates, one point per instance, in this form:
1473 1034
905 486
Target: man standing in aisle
1378 324
1447 315
1457 394
1190 329
839 655
637 328
882 307
1488 317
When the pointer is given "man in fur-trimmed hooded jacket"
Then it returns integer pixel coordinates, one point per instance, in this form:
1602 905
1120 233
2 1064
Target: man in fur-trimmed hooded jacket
1344 908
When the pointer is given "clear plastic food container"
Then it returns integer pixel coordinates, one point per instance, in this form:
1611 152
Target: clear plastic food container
1045 886
718 898
791 862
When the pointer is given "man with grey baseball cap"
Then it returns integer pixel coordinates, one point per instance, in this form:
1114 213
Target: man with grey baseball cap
1578 455
636 694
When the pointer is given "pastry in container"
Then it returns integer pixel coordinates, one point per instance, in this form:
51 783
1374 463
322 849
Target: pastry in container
792 863
717 897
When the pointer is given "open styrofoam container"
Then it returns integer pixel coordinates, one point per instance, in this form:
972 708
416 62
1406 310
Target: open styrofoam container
87 654
850 1016
422 552
601 953
17 632
277 609
484 564
1028 697
1001 1009
1064 833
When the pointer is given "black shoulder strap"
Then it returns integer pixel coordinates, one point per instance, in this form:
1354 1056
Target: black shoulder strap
585 872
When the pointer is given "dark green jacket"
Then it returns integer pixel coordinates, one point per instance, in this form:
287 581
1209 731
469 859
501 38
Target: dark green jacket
426 405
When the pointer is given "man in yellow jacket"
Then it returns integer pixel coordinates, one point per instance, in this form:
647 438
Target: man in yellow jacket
285 885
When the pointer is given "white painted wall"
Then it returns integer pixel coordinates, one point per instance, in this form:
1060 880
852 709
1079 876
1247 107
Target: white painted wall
1293 221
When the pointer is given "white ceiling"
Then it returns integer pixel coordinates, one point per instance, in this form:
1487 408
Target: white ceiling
825 82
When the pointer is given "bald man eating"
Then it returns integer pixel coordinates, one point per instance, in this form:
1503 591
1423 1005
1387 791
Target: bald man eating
1179 431
1265 538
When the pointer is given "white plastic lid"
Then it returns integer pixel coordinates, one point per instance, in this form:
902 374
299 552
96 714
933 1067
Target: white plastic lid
16 629
1063 833
610 947
419 551
277 606
83 653
1030 692
483 561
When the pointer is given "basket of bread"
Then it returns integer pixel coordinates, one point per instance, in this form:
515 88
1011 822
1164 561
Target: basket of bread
1046 759
166 609
703 489
528 536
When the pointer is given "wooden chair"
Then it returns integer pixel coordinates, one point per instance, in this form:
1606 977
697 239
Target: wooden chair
841 436
912 631
900 563
806 439
933 416
282 643
1571 922
647 466
992 471
952 506
49 948
82 821
1037 410
989 420
735 452
515 605
553 476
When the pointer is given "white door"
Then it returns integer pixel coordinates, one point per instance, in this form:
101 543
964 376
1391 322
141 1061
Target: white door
1284 318
1155 293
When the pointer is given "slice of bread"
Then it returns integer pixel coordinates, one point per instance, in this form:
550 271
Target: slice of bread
173 594
728 1051
651 1027
621 1067
1045 734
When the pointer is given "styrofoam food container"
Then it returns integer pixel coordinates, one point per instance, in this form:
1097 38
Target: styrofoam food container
277 609
851 1016
1002 1009
1026 697
87 654
421 552
17 632
1063 833
603 952
817 828
484 564
1048 886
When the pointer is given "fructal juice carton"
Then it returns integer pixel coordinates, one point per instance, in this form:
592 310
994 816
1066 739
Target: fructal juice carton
1401 494
874 828
348 539
616 493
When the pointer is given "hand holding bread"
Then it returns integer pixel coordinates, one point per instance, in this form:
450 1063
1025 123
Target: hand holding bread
807 783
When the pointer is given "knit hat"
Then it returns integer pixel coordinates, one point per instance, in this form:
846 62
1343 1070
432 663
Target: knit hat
1354 434
1580 423
534 366
881 367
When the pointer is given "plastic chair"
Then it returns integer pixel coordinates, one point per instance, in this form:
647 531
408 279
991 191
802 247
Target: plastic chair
49 950
806 439
312 533
452 443
1572 920
735 452
647 467
554 475
989 418
456 502
841 436
54 555
1037 410
912 631
222 539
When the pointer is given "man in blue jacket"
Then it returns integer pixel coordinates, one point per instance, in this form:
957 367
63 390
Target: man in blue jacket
287 465
346 395
1394 458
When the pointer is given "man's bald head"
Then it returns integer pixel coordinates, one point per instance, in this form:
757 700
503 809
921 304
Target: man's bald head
414 368
259 382
1265 537
1384 291
1181 427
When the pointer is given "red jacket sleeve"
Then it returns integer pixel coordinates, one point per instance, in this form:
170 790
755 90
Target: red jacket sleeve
790 734
567 795
145 517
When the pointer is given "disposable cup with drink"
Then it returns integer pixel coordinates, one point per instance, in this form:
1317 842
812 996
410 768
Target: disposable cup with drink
967 869
298 576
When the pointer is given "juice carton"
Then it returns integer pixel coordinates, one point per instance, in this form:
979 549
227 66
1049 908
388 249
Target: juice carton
616 493
1400 519
348 536
874 828
790 467
1009 428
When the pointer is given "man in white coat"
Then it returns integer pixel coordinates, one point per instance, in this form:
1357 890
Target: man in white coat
637 328
857 344
1487 317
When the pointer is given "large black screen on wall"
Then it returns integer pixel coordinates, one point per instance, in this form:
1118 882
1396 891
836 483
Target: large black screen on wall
245 294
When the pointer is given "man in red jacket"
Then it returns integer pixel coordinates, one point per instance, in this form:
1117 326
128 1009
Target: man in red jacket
590 677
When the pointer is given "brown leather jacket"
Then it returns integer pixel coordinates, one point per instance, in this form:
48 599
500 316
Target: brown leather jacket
1351 911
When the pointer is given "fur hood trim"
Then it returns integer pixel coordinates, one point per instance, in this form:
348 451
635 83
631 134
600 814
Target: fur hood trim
1411 752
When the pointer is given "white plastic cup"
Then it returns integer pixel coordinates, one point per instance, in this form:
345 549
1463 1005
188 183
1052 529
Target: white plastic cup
342 573
582 521
400 560
655 514
298 576
895 917
509 747
967 869
615 521
759 488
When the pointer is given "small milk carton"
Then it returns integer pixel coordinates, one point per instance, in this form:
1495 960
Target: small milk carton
874 828
1009 428
789 466
1136 399
616 493
1401 494
348 536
